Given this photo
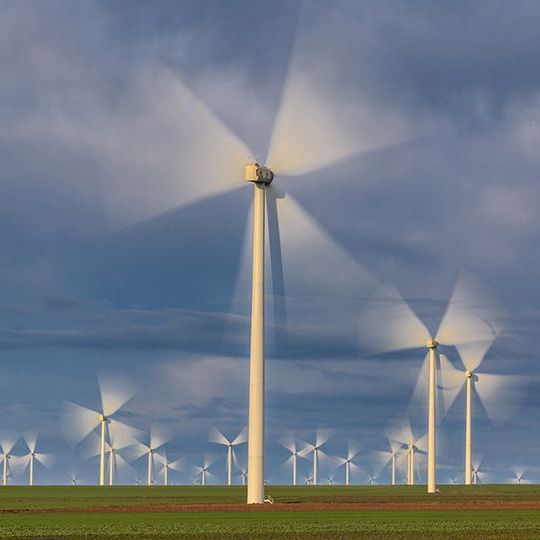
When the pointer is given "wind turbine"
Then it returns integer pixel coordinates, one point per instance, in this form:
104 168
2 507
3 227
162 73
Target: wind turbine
463 326
203 469
7 445
243 476
78 422
320 121
217 437
176 465
29 459
120 438
289 442
159 435
478 473
315 449
519 476
350 467
412 446
383 458
498 393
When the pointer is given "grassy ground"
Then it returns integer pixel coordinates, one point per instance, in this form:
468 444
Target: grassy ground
73 518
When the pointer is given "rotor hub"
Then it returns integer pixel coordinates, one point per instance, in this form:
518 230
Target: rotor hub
258 174
432 344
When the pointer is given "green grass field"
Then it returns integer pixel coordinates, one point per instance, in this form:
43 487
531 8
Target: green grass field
141 512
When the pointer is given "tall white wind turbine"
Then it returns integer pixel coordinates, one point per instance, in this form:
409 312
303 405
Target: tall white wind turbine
321 120
78 422
32 457
217 437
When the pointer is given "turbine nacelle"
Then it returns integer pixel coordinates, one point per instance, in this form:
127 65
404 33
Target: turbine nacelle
432 343
258 174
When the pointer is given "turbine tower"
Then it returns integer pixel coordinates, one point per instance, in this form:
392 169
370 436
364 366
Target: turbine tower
217 437
78 422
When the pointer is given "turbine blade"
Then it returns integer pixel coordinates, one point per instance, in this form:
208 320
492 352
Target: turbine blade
47 460
178 464
91 447
215 436
241 437
189 153
306 450
380 461
7 442
159 435
288 441
419 400
501 395
323 436
315 298
357 471
77 421
116 389
122 435
389 324
19 463
136 451
451 382
30 438
278 297
352 450
322 118
472 322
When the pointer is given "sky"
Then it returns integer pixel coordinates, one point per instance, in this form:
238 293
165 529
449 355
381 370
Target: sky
404 139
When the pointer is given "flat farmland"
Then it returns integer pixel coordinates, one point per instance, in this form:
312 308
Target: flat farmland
302 512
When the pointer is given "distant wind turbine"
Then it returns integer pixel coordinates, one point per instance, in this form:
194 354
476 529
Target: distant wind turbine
315 449
347 462
78 422
29 459
7 445
390 324
176 465
204 469
291 444
498 393
405 439
217 437
159 436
